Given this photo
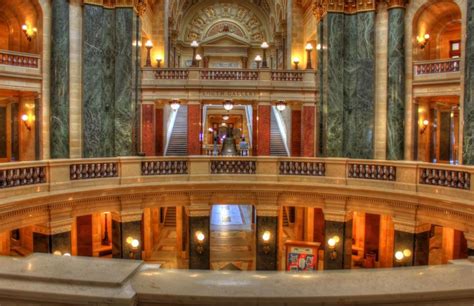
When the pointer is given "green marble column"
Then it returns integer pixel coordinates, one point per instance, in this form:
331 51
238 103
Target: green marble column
50 243
108 81
396 84
403 241
199 251
334 258
120 232
468 108
331 77
267 251
59 99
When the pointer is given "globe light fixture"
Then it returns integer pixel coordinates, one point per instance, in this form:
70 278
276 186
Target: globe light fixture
29 31
258 60
309 48
175 104
148 46
296 61
228 105
264 47
281 105
194 45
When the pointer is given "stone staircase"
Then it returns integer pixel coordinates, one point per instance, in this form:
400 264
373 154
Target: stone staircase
178 145
170 217
277 146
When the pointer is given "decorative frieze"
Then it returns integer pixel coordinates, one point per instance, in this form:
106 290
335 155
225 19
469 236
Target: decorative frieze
233 167
372 172
445 178
167 167
22 176
93 171
302 168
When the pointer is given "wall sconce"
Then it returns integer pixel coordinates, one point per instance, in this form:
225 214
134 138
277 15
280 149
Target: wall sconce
200 240
228 105
425 125
198 60
225 117
332 243
296 61
258 60
423 40
281 105
174 104
26 121
134 243
194 45
309 48
158 62
266 242
264 47
401 255
318 47
148 46
29 31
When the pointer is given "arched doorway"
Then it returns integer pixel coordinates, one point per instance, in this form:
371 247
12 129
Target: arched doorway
232 237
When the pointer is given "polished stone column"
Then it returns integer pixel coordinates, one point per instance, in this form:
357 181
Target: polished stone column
263 129
199 251
52 239
267 250
334 228
331 76
127 225
396 84
468 108
59 100
194 128
159 131
295 132
337 223
308 128
148 129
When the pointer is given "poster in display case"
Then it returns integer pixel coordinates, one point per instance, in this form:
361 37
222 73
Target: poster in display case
301 256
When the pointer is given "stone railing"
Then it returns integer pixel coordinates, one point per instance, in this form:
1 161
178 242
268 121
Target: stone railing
19 59
166 167
172 74
232 75
304 168
289 75
22 176
86 171
436 181
445 178
437 66
209 151
233 167
372 172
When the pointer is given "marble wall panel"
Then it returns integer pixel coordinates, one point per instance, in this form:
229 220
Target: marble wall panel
120 232
124 104
396 84
308 130
59 101
159 131
196 260
43 243
263 145
295 133
194 129
468 110
148 128
267 261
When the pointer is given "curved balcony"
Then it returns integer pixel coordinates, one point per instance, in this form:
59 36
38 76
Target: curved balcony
443 71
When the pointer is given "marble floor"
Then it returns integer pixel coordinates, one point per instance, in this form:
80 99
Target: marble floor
165 252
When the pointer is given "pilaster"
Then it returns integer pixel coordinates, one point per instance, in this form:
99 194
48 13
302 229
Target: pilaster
148 129
263 129
126 227
199 223
194 127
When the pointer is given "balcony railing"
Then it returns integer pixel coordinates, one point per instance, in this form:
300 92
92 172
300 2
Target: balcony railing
19 59
432 180
172 74
437 66
229 75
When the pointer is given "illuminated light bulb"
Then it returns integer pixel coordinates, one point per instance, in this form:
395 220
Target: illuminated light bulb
24 27
266 236
228 105
200 236
318 47
135 243
194 44
399 255
174 104
225 117
129 240
296 60
57 253
67 254
309 47
281 106
336 239
426 122
149 43
258 58
331 242
198 57
264 45
406 253
427 36
24 117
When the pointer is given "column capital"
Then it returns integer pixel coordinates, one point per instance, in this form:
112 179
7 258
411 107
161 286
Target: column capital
396 3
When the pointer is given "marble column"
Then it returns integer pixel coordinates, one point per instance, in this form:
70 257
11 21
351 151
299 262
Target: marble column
468 107
194 128
263 129
337 223
159 131
334 228
267 250
59 100
148 129
52 239
308 128
127 225
422 246
295 132
396 84
331 76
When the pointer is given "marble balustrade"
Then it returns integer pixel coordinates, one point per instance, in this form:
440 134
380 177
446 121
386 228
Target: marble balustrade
42 279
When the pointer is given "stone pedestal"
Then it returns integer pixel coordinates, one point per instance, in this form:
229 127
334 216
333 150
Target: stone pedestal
127 226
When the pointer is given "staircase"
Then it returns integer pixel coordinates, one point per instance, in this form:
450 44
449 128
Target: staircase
277 146
286 220
178 145
170 217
